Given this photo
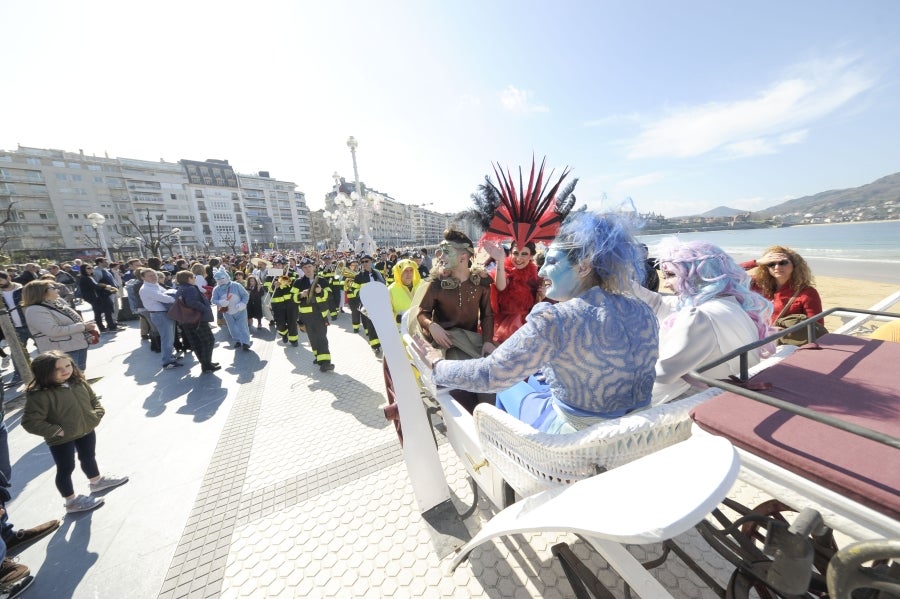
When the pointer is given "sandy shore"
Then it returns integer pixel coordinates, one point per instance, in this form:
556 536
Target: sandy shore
851 293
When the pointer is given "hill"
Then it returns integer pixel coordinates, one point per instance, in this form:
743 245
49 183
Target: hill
720 211
876 200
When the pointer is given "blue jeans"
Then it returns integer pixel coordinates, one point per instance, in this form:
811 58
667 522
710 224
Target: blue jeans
79 356
166 328
238 327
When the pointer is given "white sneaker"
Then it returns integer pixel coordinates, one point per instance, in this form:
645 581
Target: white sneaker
107 482
83 503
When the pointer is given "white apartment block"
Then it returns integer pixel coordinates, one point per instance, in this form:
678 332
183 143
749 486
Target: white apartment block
46 195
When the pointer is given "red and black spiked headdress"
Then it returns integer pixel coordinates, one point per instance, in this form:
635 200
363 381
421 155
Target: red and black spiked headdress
534 213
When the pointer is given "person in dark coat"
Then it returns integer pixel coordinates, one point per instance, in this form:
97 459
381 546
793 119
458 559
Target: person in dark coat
254 304
199 337
99 296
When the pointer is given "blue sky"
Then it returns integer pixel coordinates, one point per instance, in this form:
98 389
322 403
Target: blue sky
682 106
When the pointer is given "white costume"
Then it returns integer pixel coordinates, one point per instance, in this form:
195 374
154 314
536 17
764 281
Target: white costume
692 336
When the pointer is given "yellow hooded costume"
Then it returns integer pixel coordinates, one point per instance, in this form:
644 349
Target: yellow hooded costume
401 295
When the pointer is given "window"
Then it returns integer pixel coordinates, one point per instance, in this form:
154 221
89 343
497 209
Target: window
61 176
5 158
32 160
76 178
93 167
43 216
59 163
98 179
74 165
173 196
198 193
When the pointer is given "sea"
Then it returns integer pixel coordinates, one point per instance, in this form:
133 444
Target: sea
868 251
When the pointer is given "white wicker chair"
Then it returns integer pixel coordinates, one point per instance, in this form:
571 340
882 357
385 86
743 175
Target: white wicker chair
531 461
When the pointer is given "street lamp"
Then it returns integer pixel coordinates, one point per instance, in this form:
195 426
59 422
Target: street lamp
366 243
177 233
275 239
97 221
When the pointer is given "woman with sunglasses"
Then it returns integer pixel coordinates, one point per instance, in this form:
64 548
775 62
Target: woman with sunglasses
782 275
712 312
55 325
516 285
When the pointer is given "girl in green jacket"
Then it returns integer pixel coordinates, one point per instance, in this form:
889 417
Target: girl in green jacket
61 407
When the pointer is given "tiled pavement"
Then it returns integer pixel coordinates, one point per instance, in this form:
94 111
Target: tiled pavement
270 479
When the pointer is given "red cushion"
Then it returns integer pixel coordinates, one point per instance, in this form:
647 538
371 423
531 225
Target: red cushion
850 378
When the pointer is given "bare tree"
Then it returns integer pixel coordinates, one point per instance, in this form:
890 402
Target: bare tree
229 240
7 217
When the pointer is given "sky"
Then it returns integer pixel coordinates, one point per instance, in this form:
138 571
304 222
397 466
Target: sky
679 106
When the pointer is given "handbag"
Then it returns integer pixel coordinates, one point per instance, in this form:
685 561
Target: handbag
184 314
800 336
92 337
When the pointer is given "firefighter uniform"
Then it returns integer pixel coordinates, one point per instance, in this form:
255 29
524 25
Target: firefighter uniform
284 309
359 280
313 310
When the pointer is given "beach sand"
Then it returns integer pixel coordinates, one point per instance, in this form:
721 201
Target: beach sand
851 293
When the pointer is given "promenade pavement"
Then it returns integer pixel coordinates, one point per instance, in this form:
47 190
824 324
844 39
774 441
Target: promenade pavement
269 479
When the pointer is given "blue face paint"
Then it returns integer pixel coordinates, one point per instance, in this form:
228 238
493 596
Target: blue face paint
564 281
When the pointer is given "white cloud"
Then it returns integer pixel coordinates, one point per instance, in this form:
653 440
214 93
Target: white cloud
758 125
640 181
518 100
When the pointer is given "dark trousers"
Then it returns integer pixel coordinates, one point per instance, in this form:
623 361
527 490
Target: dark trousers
334 299
103 306
355 316
317 331
286 316
64 456
201 341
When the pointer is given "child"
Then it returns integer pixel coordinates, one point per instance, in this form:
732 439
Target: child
61 407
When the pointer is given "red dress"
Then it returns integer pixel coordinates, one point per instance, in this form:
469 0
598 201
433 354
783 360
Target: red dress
513 304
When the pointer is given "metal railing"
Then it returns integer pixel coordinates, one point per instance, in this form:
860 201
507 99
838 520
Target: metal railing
743 354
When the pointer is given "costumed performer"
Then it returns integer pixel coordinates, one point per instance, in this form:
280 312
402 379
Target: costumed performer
529 215
712 312
596 348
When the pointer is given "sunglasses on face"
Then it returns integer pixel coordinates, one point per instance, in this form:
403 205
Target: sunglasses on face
779 263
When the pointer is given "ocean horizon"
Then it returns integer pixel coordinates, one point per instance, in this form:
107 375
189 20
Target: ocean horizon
868 251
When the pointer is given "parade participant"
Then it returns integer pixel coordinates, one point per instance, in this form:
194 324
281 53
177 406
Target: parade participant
712 312
284 309
368 275
383 266
596 348
516 287
312 299
424 270
231 299
199 336
402 290
337 289
351 292
61 407
454 312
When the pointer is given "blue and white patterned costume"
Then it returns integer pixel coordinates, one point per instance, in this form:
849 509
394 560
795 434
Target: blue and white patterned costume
597 352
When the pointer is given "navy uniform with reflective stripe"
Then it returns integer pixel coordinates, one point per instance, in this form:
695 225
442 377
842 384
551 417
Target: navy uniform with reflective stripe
313 309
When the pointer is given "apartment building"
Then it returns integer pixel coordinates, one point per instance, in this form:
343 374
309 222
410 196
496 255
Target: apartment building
46 196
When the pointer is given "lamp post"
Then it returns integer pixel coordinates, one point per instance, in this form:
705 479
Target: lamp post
275 239
366 243
97 221
177 233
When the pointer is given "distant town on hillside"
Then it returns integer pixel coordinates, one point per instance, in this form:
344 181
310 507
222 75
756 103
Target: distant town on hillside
879 200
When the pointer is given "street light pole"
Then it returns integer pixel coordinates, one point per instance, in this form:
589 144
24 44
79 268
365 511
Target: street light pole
366 241
97 221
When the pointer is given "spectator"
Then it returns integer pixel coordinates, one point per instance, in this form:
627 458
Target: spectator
199 337
62 408
783 277
157 302
12 299
54 324
99 296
